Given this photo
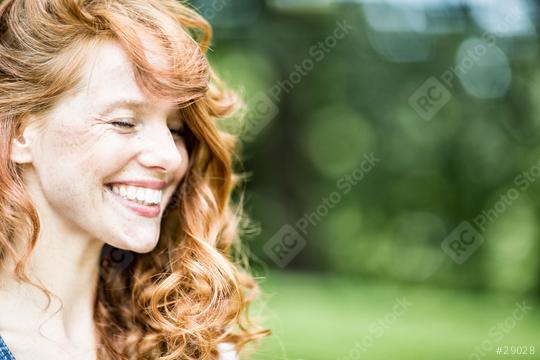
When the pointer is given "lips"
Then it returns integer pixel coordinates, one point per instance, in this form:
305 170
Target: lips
145 202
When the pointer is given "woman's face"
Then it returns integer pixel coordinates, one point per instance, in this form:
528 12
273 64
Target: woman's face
104 145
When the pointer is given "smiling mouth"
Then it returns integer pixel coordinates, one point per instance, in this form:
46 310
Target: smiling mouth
142 201
136 194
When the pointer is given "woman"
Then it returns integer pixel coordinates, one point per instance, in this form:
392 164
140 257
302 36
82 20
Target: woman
116 229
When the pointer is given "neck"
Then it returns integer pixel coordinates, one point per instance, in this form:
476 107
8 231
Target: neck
66 262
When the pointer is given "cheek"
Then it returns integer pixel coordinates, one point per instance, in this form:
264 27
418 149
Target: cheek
70 164
67 142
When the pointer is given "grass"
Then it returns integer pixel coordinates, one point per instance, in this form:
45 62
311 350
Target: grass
316 317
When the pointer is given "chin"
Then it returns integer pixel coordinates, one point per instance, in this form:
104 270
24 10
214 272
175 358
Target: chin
141 246
137 244
145 248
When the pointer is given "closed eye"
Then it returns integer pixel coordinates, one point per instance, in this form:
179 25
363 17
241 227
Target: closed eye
123 124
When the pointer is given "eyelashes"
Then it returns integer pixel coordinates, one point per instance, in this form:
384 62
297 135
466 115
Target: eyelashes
129 125
122 124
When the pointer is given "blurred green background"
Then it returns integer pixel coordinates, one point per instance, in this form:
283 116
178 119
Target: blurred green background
393 149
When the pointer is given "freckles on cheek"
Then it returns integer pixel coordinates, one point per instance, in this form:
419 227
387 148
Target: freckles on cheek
78 146
72 153
72 168
74 139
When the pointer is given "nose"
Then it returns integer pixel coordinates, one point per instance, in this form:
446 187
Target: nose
159 149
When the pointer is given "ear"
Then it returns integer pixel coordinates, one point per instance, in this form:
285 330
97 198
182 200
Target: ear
21 151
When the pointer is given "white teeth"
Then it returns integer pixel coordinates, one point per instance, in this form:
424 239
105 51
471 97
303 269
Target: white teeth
138 194
131 192
141 194
149 195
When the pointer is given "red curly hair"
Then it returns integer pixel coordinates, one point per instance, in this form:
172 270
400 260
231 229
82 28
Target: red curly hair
193 290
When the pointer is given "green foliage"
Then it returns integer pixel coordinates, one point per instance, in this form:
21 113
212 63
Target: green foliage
432 175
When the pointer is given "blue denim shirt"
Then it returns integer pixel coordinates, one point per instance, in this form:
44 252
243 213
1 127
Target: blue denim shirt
5 354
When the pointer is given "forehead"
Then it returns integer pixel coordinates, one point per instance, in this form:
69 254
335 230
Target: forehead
108 75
